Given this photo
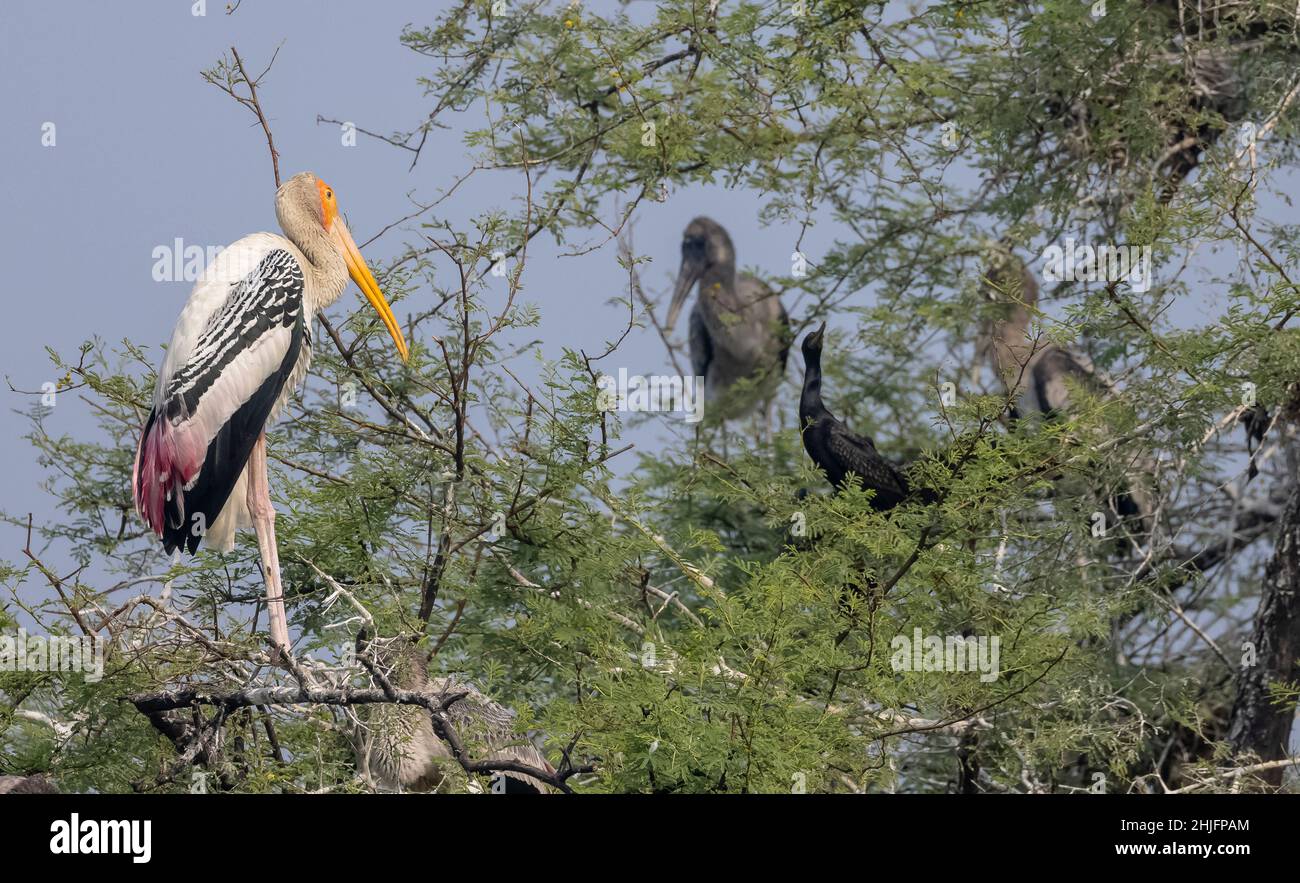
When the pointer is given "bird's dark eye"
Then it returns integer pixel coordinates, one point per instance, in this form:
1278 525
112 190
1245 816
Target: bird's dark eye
329 194
693 246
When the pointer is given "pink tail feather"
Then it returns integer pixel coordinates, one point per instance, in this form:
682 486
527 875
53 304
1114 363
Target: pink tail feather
167 459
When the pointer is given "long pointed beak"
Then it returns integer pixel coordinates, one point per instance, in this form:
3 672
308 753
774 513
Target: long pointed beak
365 280
686 279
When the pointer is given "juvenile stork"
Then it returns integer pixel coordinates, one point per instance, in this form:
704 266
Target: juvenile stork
739 329
397 748
241 347
1038 374
832 446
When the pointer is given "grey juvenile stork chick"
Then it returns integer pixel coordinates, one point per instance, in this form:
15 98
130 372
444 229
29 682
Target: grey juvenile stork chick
1037 373
739 329
398 750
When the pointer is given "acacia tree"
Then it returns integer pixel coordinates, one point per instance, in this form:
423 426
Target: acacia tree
720 621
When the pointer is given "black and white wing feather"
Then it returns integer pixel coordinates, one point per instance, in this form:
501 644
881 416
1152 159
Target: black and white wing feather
239 342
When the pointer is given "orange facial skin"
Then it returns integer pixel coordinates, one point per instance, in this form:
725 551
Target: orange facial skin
329 208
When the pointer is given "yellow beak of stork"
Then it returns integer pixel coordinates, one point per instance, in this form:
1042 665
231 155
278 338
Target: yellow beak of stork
357 269
365 280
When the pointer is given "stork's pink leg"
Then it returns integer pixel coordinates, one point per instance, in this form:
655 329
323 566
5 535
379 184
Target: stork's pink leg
263 512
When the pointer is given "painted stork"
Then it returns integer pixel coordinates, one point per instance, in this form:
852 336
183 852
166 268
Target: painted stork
241 347
832 446
396 746
1039 374
739 330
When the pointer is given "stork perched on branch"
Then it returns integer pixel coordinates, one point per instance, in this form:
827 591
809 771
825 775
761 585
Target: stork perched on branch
241 347
397 748
739 332
1040 375
1037 373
